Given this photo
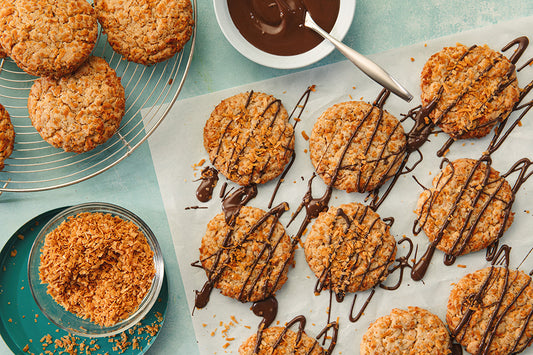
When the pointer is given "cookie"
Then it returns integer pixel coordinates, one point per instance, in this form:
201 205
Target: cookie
279 341
349 248
466 208
248 138
490 311
7 136
79 111
362 143
475 88
48 37
248 260
412 332
146 31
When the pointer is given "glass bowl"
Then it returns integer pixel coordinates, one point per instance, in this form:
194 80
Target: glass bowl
232 34
69 321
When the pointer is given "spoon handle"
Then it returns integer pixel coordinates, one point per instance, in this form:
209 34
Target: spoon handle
367 66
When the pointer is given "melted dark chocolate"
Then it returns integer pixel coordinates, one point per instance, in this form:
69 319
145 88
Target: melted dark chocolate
276 26
209 181
267 309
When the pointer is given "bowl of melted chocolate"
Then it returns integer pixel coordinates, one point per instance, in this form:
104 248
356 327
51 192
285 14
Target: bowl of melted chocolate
271 32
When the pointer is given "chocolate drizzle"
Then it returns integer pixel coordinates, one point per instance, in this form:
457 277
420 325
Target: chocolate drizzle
300 106
209 182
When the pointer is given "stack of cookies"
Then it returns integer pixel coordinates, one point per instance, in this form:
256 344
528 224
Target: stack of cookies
78 101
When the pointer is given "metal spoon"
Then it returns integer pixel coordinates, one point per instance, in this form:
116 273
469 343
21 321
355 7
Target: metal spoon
374 71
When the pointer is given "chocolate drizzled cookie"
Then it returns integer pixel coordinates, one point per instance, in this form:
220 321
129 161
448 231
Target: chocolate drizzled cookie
475 88
7 136
248 138
283 340
363 142
490 311
350 249
411 331
467 209
247 259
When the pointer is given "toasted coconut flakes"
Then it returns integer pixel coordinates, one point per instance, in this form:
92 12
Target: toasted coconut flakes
97 266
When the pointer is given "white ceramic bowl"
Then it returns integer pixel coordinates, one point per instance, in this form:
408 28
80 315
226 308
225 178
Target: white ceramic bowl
69 321
344 20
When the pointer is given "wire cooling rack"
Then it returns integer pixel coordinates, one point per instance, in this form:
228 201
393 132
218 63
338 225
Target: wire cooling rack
35 165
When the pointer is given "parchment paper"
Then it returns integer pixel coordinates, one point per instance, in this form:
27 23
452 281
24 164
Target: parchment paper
178 145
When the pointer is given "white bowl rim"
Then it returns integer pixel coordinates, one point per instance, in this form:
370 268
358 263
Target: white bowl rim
232 34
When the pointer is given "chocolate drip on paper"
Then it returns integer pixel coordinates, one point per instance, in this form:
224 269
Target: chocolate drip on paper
209 180
232 203
267 309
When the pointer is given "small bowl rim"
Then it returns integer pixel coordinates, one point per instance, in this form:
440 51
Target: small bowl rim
232 34
96 330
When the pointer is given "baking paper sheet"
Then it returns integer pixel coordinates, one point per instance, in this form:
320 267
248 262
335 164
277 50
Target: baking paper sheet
178 145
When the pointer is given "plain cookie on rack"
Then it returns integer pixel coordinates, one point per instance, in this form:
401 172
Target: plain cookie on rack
232 257
349 248
458 210
490 311
370 142
79 111
7 136
146 31
271 343
412 332
249 138
48 37
475 88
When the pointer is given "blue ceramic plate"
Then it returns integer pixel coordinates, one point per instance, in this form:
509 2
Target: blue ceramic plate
23 326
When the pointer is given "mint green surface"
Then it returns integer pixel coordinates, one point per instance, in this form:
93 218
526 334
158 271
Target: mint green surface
20 317
378 25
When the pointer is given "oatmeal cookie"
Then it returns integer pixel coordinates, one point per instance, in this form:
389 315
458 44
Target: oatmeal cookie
249 138
271 344
7 136
249 260
412 332
79 111
48 37
467 207
364 144
475 88
490 311
349 248
146 31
